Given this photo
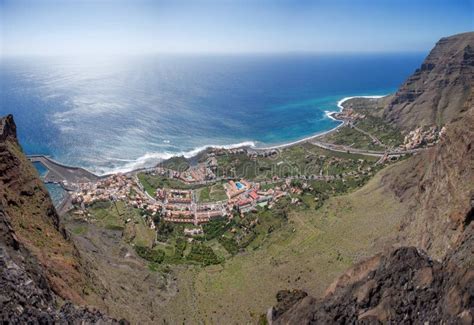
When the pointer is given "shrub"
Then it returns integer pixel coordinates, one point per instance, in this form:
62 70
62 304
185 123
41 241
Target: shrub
151 255
203 255
229 244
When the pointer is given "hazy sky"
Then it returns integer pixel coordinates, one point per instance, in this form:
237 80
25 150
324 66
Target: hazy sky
90 27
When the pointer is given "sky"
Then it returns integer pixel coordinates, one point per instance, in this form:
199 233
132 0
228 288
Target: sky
70 27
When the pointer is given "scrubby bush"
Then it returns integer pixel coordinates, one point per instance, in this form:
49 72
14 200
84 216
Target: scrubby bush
151 255
203 255
216 228
229 244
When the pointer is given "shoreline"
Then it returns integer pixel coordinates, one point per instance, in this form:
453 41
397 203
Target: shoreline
249 145
329 114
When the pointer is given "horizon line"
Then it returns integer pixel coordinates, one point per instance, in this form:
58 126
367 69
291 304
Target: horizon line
211 53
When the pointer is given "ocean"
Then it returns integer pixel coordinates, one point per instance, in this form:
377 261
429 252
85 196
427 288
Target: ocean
120 113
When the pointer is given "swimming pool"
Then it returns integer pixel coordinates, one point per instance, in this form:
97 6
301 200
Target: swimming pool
239 185
42 170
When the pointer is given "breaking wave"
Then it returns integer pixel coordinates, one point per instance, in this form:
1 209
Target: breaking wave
151 159
329 114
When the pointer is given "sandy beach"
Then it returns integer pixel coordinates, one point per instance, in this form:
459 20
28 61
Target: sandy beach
329 114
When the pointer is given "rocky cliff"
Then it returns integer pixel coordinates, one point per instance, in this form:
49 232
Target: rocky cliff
40 267
436 93
405 285
429 275
438 185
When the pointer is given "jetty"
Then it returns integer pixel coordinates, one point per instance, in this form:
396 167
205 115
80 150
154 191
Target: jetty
60 173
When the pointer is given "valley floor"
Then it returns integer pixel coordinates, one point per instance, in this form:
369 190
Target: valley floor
308 253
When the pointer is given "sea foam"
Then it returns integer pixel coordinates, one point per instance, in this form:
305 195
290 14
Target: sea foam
151 159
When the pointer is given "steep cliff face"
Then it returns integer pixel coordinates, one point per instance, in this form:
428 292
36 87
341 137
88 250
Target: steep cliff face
26 296
438 184
403 285
436 93
39 265
406 284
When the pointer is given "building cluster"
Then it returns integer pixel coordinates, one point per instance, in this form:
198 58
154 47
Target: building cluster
263 153
423 136
245 196
180 206
213 152
349 115
175 205
202 172
116 187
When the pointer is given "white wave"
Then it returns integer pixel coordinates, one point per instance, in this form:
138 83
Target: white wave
151 159
345 99
329 114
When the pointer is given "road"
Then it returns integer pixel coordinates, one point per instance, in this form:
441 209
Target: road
376 140
347 149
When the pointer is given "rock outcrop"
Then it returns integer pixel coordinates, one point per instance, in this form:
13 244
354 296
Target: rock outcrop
438 185
436 93
429 275
26 296
404 285
39 265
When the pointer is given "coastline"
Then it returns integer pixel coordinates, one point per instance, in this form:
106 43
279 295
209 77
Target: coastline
249 145
329 114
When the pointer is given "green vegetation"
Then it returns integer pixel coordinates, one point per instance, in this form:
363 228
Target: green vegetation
79 229
216 228
229 244
114 216
304 159
204 194
386 133
151 182
348 136
211 193
203 255
148 184
151 255
309 250
372 123
179 164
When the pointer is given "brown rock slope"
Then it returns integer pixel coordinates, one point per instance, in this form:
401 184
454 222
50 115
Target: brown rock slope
39 266
439 185
405 284
434 94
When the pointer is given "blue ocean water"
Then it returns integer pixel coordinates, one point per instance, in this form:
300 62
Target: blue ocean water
112 114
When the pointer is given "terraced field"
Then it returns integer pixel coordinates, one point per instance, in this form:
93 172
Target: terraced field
308 253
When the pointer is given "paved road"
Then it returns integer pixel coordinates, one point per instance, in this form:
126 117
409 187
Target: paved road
376 140
347 149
